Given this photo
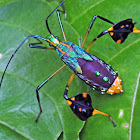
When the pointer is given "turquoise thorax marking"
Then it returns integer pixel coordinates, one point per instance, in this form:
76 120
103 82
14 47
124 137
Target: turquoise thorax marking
53 39
69 53
64 48
72 54
74 51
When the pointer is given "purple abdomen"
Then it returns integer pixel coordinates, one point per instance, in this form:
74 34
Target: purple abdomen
96 73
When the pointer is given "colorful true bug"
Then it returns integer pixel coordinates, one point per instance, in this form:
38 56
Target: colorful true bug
93 71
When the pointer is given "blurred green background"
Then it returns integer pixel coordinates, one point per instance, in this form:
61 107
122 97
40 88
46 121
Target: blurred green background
30 67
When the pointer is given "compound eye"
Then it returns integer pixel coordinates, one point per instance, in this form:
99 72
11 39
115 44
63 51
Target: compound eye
57 37
50 44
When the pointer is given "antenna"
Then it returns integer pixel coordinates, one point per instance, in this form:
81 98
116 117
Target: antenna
51 14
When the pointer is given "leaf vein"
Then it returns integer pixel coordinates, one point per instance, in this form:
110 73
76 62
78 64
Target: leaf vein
15 130
86 10
133 104
17 76
123 50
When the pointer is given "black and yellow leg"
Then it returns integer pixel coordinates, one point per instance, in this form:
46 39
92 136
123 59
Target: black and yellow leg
112 32
90 26
118 31
41 85
81 106
89 46
122 29
67 86
94 112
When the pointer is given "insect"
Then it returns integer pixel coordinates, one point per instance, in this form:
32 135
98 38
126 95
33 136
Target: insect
93 71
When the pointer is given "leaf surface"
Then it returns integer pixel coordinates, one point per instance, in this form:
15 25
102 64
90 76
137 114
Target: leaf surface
30 67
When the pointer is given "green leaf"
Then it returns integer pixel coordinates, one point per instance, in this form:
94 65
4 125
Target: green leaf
30 67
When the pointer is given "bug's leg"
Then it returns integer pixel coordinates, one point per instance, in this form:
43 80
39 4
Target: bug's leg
118 32
67 86
41 85
60 22
32 36
110 30
90 26
102 113
122 30
33 45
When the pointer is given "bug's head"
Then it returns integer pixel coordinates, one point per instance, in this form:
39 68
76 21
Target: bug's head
52 40
116 87
122 29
